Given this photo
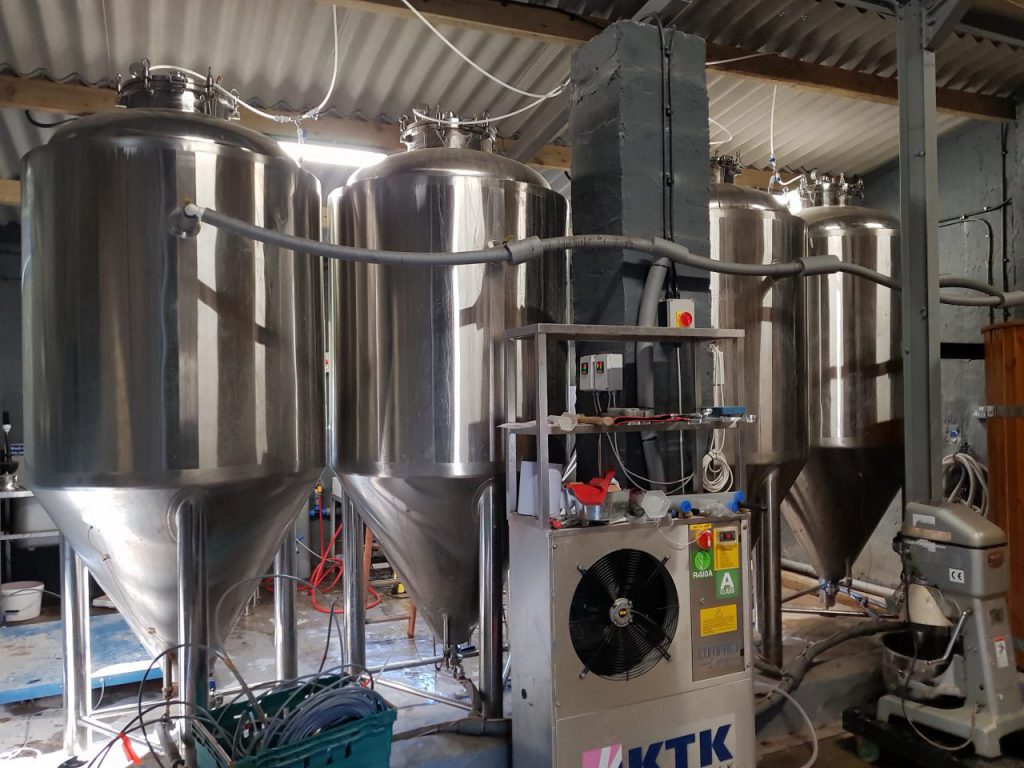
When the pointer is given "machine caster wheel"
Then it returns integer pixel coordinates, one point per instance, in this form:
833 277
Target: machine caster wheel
867 750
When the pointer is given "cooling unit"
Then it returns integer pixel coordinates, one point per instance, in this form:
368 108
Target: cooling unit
631 645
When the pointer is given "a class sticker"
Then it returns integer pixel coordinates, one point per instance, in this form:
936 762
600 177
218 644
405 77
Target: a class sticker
727 583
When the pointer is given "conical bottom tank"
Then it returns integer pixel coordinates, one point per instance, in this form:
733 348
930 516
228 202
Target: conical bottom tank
753 227
418 351
429 528
854 384
161 367
128 540
837 502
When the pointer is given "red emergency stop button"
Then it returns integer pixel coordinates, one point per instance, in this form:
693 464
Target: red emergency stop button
684 319
705 539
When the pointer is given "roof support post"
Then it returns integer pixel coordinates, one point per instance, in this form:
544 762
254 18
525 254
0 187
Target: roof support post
922 383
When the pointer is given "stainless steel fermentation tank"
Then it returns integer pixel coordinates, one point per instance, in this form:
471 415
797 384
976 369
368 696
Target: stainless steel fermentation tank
752 227
419 369
164 376
854 383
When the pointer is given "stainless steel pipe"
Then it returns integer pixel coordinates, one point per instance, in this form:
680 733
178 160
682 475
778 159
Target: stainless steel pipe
77 662
877 590
769 577
425 694
492 534
285 642
193 621
354 586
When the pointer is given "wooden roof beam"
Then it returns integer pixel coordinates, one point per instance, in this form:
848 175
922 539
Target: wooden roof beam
41 95
554 26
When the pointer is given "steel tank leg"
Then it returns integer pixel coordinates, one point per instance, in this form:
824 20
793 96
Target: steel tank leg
492 535
75 630
355 587
193 621
769 603
285 647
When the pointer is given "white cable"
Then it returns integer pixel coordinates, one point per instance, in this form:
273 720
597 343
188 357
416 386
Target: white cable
674 545
487 120
974 474
772 160
239 102
473 64
737 58
715 467
722 128
803 713
672 486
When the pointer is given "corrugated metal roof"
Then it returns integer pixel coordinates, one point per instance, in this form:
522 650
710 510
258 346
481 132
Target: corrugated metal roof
827 32
279 53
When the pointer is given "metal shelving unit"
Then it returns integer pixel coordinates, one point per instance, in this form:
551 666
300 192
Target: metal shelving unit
538 337
6 537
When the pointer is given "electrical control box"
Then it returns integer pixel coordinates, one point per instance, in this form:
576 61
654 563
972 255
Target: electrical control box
600 373
680 313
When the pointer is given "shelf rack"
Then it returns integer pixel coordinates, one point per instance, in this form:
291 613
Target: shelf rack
539 335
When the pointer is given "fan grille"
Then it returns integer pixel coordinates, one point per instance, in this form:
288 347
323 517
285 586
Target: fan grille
623 614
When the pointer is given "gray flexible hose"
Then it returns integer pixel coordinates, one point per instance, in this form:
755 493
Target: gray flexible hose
647 316
187 218
794 672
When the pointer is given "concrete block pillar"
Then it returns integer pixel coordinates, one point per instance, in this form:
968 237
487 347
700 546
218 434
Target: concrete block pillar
617 133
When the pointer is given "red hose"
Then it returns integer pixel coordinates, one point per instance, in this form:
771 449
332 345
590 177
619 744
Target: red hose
324 570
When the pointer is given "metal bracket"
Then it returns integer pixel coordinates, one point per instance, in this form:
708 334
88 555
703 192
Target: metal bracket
983 412
940 19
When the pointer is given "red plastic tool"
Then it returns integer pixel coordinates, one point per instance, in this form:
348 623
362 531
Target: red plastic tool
595 491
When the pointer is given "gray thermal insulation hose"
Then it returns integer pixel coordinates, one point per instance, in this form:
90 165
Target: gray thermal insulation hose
794 672
518 251
648 316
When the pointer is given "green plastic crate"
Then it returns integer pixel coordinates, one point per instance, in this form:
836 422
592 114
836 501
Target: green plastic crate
364 743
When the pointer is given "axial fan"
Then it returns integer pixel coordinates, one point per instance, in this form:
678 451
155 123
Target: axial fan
623 614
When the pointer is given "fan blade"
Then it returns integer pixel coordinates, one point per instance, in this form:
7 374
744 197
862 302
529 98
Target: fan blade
655 572
665 641
607 639
588 573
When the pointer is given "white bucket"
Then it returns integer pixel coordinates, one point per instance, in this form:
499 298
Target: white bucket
21 600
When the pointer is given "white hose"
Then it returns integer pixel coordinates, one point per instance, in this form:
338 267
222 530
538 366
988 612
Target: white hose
775 689
238 102
426 22
972 484
715 467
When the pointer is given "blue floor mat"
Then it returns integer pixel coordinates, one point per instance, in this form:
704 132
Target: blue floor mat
31 655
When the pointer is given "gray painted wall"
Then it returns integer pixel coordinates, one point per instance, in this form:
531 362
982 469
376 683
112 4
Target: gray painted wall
970 175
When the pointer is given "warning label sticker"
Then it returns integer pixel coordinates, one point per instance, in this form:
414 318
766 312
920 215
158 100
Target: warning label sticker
727 583
1002 652
727 555
718 620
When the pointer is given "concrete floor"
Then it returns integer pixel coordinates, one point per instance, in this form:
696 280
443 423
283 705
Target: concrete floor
38 725
845 677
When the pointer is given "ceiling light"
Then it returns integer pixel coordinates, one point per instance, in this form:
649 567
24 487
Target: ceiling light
325 154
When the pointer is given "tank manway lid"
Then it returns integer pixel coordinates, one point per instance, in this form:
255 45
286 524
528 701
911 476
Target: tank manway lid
172 89
169 107
446 145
